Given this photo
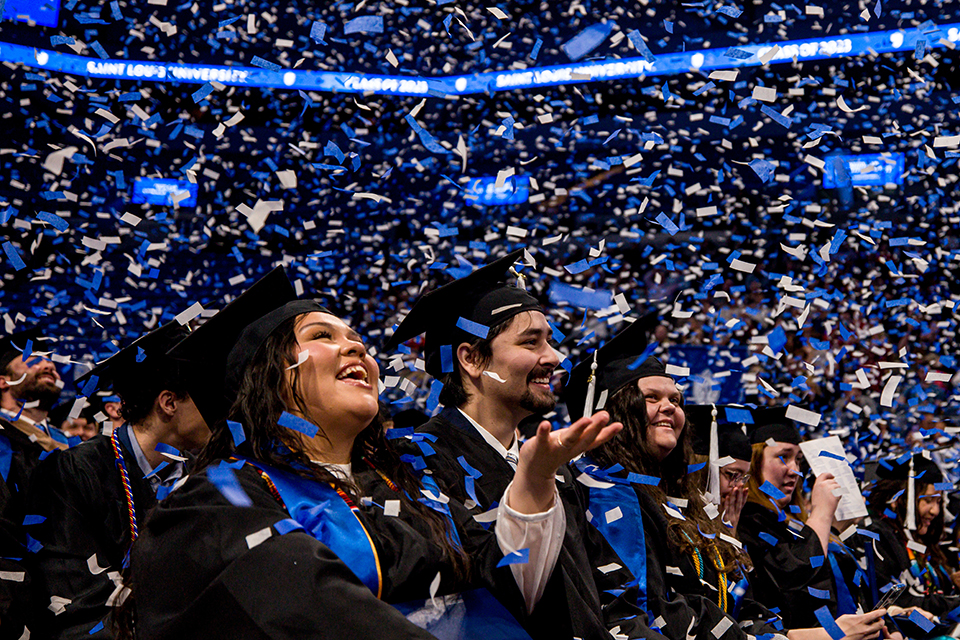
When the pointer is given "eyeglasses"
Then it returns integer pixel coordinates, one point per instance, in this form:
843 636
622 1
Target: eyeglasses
735 478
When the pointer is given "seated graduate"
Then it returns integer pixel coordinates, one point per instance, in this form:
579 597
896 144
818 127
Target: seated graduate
732 457
91 498
724 449
29 388
800 563
645 502
906 513
273 536
488 346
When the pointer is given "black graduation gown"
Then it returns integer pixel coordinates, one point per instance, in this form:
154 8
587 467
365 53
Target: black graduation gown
792 577
895 567
80 494
18 458
580 600
679 603
196 576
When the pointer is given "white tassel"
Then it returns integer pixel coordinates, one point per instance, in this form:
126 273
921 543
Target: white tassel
911 499
713 484
591 387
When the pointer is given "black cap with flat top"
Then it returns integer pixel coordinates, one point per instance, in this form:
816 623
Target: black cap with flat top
617 365
771 423
463 311
12 346
147 351
223 347
732 440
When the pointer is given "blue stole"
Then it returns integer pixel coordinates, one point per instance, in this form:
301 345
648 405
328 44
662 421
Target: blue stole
326 516
845 601
625 534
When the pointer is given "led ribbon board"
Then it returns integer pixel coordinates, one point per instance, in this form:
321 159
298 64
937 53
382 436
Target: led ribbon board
846 46
867 170
514 190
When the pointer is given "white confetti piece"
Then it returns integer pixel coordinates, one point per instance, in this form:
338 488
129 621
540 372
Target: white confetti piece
721 627
937 376
680 372
301 358
13 576
391 508
613 515
259 537
607 568
889 390
494 375
189 313
805 416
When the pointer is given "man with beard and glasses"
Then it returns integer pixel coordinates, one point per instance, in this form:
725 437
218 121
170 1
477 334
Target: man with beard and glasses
488 346
29 388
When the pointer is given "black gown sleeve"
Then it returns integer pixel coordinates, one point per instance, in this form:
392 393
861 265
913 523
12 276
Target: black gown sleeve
787 567
893 565
197 576
678 615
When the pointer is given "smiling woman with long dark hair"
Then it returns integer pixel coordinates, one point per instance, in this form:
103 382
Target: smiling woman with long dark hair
303 520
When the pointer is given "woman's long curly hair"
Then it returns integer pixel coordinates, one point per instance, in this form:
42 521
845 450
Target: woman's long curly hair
630 449
260 402
892 495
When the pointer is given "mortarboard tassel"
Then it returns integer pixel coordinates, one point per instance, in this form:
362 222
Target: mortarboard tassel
521 279
911 499
713 484
591 387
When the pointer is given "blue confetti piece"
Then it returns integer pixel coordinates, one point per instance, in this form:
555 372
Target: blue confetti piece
426 139
115 10
744 416
90 386
53 220
777 339
733 12
737 54
668 25
664 220
224 479
816 561
97 628
517 557
641 46
433 400
13 256
536 49
160 467
772 491
822 594
29 520
769 539
763 169
586 41
141 354
446 358
921 621
202 92
99 50
869 534
777 117
287 525
943 486
693 468
473 328
364 24
834 456
577 267
167 449
33 545
58 40
264 64
639 478
825 618
297 423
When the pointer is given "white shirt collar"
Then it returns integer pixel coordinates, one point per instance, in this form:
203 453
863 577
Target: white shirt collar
12 417
342 471
493 442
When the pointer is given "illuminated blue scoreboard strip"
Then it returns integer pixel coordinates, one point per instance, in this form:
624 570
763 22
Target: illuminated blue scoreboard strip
845 46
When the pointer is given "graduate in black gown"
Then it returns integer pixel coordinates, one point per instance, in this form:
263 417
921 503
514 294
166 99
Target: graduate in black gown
907 546
646 502
303 522
800 563
488 346
29 387
90 499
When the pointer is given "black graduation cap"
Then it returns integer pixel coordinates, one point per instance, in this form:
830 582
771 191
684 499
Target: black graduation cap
146 353
617 366
772 423
224 339
731 439
462 311
12 346
924 469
